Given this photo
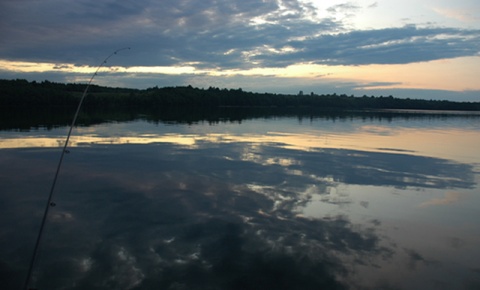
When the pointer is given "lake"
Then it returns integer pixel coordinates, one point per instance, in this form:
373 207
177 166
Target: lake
364 200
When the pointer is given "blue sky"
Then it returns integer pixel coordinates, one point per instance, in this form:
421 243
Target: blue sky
418 49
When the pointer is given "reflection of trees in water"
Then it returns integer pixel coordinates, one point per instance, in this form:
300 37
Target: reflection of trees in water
52 117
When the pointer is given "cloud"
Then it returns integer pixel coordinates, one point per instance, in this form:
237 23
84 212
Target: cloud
221 35
414 258
385 46
343 8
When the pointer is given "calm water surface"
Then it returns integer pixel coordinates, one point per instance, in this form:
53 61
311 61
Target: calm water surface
265 203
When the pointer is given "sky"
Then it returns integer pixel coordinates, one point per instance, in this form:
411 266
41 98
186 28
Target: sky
427 49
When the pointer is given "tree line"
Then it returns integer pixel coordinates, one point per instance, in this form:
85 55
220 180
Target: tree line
24 94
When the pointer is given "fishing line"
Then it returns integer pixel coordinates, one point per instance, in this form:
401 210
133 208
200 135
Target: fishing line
50 203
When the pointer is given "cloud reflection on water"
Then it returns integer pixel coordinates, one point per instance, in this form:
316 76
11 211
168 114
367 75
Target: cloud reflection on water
370 138
216 210
450 197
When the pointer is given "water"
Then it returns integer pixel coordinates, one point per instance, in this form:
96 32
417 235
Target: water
287 202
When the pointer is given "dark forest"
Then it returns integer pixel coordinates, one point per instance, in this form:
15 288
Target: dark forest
24 94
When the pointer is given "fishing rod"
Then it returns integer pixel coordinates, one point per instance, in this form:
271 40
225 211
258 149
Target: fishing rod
50 203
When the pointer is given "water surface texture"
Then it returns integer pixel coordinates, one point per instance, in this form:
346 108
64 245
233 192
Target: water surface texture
355 202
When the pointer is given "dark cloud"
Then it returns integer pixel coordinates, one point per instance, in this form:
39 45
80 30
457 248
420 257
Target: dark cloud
216 34
414 259
386 46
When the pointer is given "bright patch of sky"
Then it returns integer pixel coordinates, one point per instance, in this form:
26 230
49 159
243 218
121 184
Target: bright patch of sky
371 14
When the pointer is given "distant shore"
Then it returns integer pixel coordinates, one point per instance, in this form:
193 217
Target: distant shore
22 93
